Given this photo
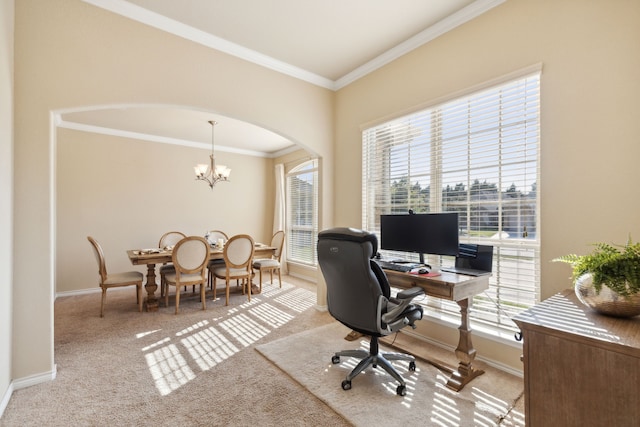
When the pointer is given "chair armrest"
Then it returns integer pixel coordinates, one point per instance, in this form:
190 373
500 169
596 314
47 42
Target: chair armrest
401 302
410 293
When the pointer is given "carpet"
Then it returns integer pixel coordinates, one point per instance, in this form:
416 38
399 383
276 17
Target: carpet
306 357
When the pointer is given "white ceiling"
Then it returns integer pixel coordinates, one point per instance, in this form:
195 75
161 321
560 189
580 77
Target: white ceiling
329 43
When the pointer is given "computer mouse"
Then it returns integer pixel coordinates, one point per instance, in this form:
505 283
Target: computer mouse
423 271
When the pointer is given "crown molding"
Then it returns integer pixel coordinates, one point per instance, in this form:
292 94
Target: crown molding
464 15
145 16
155 138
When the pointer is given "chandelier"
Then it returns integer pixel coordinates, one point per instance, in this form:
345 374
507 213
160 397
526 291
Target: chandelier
212 173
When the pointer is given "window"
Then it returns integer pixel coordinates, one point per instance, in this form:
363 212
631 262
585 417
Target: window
479 156
302 213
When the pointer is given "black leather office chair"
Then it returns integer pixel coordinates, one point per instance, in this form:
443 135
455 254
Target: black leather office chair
358 296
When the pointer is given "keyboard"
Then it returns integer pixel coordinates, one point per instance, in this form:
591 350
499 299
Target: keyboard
404 268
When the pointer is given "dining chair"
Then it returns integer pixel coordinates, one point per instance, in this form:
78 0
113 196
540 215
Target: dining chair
190 257
271 264
213 236
238 257
114 280
167 241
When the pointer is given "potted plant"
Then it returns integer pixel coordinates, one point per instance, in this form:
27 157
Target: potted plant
608 278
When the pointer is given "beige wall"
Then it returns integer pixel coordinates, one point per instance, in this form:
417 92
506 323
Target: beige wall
70 54
6 196
590 130
127 193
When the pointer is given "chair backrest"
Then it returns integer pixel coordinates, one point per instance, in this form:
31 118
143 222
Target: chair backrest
238 251
277 241
190 255
170 238
213 235
97 251
355 283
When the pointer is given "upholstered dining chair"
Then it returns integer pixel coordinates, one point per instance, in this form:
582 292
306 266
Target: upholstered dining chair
114 280
190 257
212 237
168 240
238 257
271 264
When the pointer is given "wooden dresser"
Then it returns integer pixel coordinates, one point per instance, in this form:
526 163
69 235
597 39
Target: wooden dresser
581 368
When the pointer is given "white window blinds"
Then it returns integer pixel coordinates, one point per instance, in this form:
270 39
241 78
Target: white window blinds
302 213
479 156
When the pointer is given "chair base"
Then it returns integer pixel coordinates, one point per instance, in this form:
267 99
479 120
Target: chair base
374 358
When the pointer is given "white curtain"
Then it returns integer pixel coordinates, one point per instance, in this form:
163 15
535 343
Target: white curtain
280 213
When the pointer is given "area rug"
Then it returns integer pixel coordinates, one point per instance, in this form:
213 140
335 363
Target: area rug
306 357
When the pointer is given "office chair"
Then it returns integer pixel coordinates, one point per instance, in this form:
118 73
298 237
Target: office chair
358 296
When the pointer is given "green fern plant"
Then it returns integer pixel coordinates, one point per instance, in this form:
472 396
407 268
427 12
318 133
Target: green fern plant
616 266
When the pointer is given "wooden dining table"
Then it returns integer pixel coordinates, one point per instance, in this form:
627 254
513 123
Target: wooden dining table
154 256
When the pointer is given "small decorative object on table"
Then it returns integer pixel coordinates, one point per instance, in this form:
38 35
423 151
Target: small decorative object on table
608 279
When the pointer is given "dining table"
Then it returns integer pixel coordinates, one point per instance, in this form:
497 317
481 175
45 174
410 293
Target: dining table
154 256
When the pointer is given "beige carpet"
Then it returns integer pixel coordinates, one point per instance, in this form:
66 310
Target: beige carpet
198 368
306 357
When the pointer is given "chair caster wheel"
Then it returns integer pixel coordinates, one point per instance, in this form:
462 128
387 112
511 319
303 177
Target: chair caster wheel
335 359
400 391
346 385
412 366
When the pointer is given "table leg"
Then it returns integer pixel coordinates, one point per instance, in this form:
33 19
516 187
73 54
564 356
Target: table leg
464 352
151 287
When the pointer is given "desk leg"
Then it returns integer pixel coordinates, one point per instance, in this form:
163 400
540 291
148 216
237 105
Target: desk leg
464 352
151 287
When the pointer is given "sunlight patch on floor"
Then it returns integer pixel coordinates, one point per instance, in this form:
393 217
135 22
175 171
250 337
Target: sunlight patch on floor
271 315
244 329
168 368
209 342
298 300
209 347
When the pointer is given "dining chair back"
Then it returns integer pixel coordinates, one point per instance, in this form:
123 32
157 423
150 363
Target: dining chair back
168 241
190 257
127 278
213 236
271 264
238 256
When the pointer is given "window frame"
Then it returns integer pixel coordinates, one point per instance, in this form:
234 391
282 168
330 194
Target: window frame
293 227
482 316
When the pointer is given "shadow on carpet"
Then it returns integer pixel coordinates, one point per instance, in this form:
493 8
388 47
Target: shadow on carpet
306 357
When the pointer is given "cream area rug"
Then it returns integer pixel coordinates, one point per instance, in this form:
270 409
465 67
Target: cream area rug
372 400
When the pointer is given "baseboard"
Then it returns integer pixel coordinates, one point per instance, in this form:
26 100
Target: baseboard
23 383
35 379
5 399
89 291
311 279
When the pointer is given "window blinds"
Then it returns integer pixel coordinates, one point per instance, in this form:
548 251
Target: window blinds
302 213
477 155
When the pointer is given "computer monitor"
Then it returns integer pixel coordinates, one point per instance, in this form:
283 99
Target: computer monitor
432 233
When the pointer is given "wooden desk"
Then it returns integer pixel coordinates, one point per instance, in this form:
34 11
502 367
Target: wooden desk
164 256
453 287
581 368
